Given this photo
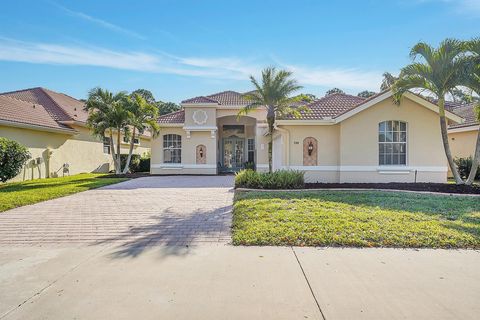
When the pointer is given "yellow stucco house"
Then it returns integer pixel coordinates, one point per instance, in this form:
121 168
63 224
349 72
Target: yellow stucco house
463 136
52 126
339 138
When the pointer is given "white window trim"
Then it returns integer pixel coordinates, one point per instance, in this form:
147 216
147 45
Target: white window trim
407 143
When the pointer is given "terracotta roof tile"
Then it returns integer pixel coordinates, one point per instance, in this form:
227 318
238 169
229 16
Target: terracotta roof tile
19 111
466 111
174 117
328 107
225 98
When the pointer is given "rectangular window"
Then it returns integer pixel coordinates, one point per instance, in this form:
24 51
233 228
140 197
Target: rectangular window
251 150
392 143
172 148
106 145
135 140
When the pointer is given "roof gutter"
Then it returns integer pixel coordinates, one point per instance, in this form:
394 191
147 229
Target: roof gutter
37 127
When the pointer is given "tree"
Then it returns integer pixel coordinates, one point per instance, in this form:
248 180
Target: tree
305 97
167 107
473 83
388 81
273 94
145 94
462 96
366 94
108 113
332 91
13 157
142 117
440 72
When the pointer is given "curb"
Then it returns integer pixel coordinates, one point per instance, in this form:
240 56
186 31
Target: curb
359 189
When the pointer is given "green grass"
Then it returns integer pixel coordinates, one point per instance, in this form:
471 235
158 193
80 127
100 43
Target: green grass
356 219
18 194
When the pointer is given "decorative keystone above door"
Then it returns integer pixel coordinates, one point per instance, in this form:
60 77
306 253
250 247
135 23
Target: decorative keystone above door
200 117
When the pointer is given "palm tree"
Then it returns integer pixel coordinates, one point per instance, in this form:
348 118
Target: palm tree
388 80
273 94
439 73
142 117
473 83
107 113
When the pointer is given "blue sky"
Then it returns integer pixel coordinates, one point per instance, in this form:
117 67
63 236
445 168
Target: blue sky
180 49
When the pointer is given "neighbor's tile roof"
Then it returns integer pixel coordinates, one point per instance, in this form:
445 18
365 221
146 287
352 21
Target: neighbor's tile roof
466 111
174 117
225 98
23 112
58 106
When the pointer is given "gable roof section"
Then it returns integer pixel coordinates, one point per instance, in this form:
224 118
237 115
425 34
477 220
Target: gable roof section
466 111
60 106
224 98
177 117
25 114
328 107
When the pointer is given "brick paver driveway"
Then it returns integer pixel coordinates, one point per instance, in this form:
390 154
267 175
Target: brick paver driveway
173 210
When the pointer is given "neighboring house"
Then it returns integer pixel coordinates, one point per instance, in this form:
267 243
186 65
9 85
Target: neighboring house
339 138
463 136
53 127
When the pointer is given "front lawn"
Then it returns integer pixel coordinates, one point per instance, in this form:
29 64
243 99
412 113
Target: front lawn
357 219
18 194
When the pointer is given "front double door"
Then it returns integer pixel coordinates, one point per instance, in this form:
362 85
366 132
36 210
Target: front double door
233 153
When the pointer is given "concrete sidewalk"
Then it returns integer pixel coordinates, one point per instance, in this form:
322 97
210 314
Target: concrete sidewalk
225 282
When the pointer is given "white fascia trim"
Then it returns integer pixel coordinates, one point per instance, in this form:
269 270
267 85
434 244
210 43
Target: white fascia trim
380 169
181 166
171 125
324 122
200 128
433 107
200 105
36 127
367 105
464 129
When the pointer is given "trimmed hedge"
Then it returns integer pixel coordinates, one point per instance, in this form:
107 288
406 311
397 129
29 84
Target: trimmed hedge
464 166
13 157
137 163
280 179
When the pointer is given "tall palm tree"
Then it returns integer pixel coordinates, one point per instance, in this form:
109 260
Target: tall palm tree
142 117
440 71
107 113
273 94
388 80
473 83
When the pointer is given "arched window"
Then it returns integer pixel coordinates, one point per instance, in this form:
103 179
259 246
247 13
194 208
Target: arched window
172 148
309 151
392 143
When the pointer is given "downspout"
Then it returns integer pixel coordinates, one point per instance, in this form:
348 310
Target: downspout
287 143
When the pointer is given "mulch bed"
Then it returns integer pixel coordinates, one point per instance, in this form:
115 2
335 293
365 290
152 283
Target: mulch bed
127 175
431 187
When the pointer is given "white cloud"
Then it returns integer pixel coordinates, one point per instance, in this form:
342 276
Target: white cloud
100 22
213 68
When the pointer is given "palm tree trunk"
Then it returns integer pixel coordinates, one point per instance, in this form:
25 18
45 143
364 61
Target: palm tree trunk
130 151
119 167
475 161
270 121
446 145
112 148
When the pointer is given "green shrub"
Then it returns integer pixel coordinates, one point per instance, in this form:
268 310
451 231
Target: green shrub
134 162
13 157
464 166
280 179
144 165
